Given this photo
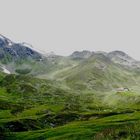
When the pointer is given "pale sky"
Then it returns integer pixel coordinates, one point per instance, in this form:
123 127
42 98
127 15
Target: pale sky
64 26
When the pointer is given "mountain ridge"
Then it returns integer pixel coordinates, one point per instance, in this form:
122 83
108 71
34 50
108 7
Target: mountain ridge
22 57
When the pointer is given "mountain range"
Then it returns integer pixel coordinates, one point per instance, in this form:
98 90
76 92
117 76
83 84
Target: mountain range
84 96
82 69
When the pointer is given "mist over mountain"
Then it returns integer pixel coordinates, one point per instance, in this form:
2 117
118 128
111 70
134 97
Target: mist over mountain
23 58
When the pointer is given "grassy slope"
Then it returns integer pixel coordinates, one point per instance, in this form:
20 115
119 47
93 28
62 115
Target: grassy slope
122 126
74 116
97 73
28 103
32 109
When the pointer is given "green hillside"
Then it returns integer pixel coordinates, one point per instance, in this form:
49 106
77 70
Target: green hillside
98 73
66 98
32 108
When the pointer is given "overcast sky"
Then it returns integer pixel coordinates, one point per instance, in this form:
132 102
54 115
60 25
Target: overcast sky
63 26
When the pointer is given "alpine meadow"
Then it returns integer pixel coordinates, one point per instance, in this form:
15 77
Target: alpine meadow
84 96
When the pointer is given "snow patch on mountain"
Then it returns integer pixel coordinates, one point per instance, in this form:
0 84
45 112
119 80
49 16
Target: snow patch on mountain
6 40
5 70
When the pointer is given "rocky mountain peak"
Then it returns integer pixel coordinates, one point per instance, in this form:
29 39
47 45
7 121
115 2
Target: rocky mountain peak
81 54
117 53
10 51
5 41
123 59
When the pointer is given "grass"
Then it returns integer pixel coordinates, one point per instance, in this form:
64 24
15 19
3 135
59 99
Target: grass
87 129
44 110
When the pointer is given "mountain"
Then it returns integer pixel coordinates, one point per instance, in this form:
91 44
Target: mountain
122 58
34 109
81 55
22 58
18 57
118 57
10 51
97 72
84 96
82 69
